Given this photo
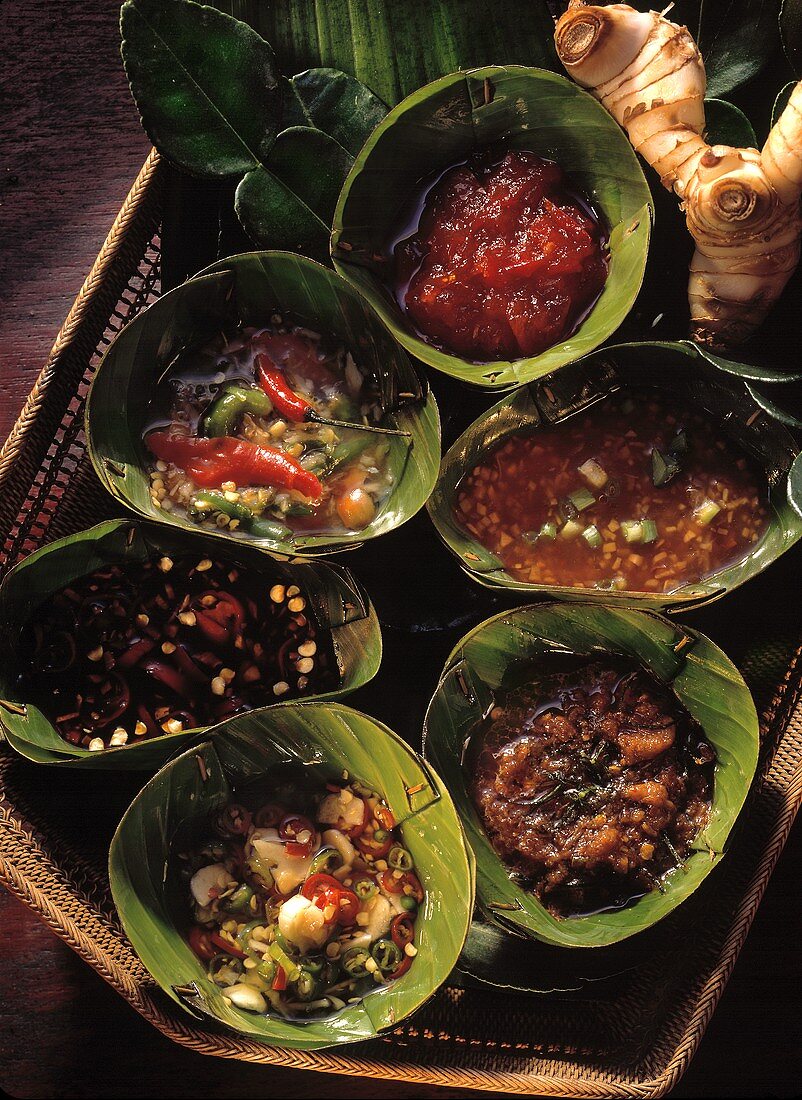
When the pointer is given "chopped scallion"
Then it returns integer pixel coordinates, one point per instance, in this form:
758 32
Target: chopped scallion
648 530
707 511
581 499
592 536
639 530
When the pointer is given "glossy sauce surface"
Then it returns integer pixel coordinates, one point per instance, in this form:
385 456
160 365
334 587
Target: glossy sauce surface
529 482
504 258
592 782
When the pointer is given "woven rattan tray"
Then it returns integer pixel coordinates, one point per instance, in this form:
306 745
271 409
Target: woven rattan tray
630 1032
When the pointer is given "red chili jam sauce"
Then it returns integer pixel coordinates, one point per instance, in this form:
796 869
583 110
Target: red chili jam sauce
637 492
504 259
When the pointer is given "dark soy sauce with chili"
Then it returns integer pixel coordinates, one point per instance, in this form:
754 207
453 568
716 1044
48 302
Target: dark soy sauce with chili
500 259
592 782
137 650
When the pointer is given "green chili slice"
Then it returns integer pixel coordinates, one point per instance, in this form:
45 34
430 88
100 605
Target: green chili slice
240 898
353 962
364 888
327 860
387 955
307 986
399 858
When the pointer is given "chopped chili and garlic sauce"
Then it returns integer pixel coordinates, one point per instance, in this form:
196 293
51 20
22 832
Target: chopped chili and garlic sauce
134 651
501 259
238 443
592 783
636 492
304 902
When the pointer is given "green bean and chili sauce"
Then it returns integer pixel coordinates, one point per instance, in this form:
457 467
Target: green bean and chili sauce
134 651
592 782
637 493
303 904
238 440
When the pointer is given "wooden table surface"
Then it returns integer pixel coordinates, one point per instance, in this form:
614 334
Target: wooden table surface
71 146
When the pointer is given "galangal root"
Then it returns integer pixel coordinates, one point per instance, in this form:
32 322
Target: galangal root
741 206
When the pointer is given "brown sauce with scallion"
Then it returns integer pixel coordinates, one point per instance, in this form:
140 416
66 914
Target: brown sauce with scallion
637 493
592 783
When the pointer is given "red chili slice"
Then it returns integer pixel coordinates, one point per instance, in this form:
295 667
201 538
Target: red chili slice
401 969
385 817
323 891
170 677
292 827
369 847
227 946
134 654
201 943
407 884
347 907
402 930
279 979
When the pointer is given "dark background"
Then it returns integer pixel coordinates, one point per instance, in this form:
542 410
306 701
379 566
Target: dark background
70 145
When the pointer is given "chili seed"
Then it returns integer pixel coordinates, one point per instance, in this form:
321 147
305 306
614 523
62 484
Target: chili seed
218 686
203 565
165 564
140 729
227 674
297 603
277 593
281 688
306 664
96 744
95 654
307 649
187 618
118 737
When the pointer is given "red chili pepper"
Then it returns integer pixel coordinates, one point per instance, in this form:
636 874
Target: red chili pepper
210 462
407 884
280 979
384 816
401 969
402 930
292 827
324 890
134 654
170 677
286 401
370 847
233 820
201 943
227 946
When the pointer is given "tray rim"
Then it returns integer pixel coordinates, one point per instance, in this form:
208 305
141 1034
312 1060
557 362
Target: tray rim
52 905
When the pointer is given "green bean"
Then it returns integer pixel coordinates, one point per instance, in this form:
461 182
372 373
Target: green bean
348 450
208 500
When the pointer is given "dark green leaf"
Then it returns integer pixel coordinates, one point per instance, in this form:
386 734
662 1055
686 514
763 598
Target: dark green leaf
336 103
791 33
290 202
737 38
795 485
773 408
781 102
395 48
726 125
205 85
755 372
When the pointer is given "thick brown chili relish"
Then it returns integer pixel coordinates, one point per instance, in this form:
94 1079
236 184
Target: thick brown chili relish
131 652
592 783
637 492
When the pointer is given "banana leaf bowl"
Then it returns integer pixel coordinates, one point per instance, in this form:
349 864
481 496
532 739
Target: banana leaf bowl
249 289
338 602
325 740
672 368
441 125
498 653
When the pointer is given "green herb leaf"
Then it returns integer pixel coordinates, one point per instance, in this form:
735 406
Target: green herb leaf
336 103
206 86
289 203
737 38
664 467
726 125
